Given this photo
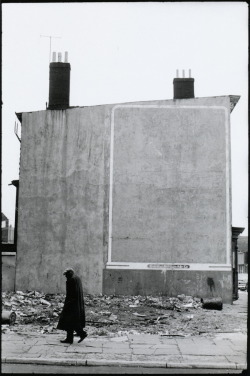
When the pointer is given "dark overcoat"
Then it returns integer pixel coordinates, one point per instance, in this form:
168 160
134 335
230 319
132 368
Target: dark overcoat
73 313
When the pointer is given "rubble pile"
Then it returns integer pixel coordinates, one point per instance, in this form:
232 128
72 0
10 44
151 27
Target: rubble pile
33 307
111 315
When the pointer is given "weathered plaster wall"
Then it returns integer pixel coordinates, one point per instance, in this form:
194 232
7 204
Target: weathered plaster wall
166 188
8 271
202 284
61 198
199 283
169 184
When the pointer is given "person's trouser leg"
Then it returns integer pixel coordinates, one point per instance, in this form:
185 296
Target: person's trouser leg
82 334
69 338
70 335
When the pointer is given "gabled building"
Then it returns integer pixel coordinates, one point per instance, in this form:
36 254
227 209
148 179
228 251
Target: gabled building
243 254
7 231
136 197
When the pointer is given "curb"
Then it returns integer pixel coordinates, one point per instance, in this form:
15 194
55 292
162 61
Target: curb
126 363
134 363
50 361
196 365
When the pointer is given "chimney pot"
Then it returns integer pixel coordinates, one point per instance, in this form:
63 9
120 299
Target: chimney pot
59 85
59 57
66 57
183 87
54 57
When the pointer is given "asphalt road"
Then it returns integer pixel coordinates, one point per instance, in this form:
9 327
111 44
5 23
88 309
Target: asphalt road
35 368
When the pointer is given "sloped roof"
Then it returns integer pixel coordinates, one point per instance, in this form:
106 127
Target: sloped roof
4 218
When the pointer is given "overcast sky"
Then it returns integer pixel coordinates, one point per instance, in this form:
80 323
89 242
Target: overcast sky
125 52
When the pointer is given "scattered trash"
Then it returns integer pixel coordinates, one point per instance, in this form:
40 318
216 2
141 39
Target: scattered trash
45 302
113 317
161 318
181 297
189 305
188 317
105 313
109 315
138 314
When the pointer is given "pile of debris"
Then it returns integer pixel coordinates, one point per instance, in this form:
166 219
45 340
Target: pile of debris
32 306
110 315
36 307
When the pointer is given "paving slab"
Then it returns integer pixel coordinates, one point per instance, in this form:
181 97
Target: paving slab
210 349
167 351
143 350
15 350
119 339
121 345
146 358
91 342
116 351
47 341
84 350
144 338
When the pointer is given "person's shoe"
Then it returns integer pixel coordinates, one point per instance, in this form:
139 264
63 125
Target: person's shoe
66 341
82 338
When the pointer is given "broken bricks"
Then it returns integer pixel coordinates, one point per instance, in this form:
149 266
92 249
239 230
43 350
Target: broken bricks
109 314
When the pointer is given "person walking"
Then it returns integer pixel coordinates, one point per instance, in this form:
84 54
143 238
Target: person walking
72 317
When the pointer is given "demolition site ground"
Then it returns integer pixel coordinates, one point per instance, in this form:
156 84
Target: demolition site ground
117 315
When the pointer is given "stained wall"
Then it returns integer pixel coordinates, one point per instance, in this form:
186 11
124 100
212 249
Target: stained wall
114 187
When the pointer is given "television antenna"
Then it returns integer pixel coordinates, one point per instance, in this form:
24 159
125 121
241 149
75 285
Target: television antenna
50 37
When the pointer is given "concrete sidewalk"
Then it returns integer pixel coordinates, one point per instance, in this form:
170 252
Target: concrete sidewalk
221 351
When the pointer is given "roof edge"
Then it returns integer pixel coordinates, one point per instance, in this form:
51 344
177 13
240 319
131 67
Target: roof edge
19 116
234 99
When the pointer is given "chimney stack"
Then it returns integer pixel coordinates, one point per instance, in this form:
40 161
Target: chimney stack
183 87
59 83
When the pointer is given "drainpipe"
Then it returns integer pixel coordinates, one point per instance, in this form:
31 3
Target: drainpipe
16 184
